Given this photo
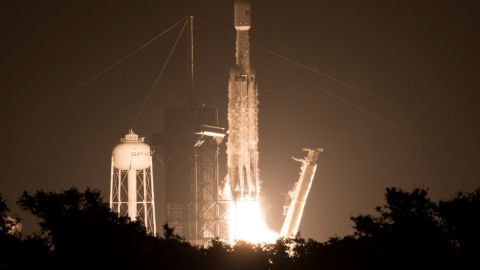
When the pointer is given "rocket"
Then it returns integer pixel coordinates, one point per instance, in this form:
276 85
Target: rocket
242 144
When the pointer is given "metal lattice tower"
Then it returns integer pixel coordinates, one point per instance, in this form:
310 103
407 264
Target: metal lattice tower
209 206
191 145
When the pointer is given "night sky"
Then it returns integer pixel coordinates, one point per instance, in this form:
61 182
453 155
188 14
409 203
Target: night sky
403 110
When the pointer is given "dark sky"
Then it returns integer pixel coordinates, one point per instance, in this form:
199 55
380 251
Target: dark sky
411 120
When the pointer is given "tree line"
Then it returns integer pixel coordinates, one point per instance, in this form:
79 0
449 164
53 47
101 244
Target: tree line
79 231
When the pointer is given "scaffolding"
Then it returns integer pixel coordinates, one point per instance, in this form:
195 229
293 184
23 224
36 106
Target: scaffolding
209 208
192 145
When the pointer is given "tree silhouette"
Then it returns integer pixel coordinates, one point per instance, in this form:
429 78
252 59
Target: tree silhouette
406 234
9 244
79 231
82 231
216 254
461 219
280 254
17 252
7 224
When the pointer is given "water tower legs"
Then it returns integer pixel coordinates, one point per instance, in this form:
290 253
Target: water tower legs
132 194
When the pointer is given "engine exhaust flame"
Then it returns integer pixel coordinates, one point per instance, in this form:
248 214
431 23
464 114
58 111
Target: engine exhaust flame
248 223
246 220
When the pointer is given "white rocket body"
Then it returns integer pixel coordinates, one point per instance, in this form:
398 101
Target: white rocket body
242 144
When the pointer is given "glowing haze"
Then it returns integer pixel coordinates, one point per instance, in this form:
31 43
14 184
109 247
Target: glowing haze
246 220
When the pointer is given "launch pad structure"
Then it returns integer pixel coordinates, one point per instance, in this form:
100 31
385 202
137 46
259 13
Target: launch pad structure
200 197
293 211
190 149
191 153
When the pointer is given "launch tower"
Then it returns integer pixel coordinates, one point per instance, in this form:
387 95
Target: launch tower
191 154
298 195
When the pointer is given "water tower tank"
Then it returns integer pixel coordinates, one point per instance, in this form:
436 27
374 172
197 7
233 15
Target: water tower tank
131 153
131 182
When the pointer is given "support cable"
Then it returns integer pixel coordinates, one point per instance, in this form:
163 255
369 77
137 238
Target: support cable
373 115
343 100
91 79
343 83
424 115
325 75
147 98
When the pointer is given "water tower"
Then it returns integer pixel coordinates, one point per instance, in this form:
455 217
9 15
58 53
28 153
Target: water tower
131 184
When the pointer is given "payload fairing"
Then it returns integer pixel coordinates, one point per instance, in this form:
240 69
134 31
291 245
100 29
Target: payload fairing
242 144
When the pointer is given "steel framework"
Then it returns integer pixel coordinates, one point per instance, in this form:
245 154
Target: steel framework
145 199
209 207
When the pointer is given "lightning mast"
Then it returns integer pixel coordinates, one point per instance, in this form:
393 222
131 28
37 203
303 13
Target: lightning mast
191 146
